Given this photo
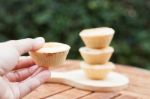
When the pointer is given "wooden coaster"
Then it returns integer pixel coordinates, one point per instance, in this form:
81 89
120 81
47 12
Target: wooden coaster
76 78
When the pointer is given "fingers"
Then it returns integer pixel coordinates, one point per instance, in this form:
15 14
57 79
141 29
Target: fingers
24 62
40 69
29 84
28 44
22 74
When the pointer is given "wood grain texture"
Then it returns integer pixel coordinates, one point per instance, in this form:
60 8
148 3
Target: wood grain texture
98 95
139 86
70 94
47 90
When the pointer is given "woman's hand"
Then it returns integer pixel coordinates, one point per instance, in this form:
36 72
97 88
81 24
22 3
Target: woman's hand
19 75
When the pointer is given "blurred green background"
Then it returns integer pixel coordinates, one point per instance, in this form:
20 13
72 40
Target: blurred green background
62 20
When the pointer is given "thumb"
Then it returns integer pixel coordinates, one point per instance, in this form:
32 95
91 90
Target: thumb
28 44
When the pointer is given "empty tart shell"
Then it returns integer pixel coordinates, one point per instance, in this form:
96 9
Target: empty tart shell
51 54
97 72
97 37
96 56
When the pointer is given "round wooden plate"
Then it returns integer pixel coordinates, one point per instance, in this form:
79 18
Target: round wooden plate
76 78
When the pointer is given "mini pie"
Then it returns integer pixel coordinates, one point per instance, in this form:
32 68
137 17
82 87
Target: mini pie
50 54
96 56
97 72
97 37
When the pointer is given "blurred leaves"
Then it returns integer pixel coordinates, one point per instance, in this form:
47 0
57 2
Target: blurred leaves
62 20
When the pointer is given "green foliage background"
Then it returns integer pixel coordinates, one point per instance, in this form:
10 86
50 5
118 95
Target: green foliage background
62 20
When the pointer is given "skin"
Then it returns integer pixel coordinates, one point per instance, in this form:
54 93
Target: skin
19 75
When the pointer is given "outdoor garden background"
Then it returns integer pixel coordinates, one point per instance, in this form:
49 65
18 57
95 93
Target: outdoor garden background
62 20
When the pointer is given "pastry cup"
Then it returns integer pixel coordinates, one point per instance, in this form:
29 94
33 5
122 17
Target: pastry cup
51 54
96 56
97 72
97 37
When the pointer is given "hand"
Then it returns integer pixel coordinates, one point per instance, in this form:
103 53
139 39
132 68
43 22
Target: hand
19 75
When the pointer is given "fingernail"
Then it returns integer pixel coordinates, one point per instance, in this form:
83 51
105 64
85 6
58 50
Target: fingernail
39 40
49 73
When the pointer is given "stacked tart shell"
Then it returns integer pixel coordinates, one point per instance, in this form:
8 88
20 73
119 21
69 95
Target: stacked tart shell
97 52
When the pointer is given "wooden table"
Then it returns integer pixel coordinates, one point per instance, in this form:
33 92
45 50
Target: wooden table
139 86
